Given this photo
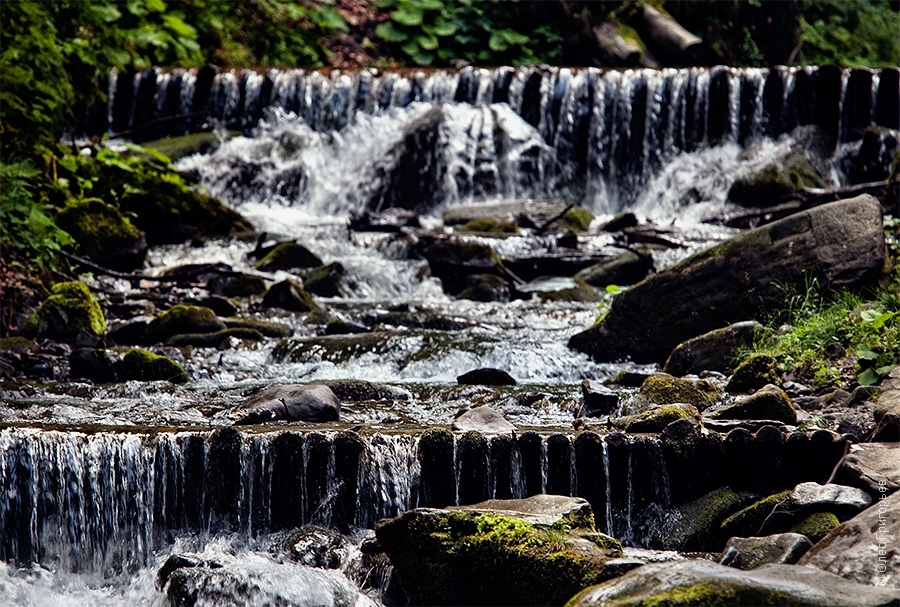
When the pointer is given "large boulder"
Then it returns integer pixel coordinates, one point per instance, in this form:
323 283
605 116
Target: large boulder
626 268
536 551
768 403
308 403
693 526
104 234
873 467
863 549
700 582
180 320
840 243
753 552
714 351
143 365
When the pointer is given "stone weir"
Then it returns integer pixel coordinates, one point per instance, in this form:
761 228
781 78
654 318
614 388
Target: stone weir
621 126
105 501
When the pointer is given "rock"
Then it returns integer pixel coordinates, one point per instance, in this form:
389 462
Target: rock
91 364
337 326
873 467
598 399
131 333
626 268
663 389
713 351
219 339
485 287
68 311
321 547
768 403
482 419
500 552
143 365
693 526
487 377
357 390
181 561
269 329
239 285
563 289
740 278
103 234
753 373
171 214
816 526
560 262
870 159
525 213
833 498
220 305
288 256
325 280
288 295
307 403
752 552
762 516
701 582
887 415
657 418
863 549
389 220
490 226
454 261
625 219
181 319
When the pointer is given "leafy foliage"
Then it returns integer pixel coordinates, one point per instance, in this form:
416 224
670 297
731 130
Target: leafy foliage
435 32
850 33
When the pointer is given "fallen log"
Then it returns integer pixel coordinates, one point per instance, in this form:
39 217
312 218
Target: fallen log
668 39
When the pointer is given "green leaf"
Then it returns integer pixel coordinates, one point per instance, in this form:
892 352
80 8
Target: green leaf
156 6
430 5
428 43
387 31
328 18
407 16
423 58
177 25
868 377
443 28
885 369
385 4
613 289
866 354
498 42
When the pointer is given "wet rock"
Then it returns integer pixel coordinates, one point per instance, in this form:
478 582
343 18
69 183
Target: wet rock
321 547
625 219
288 256
467 555
482 419
697 582
218 304
873 467
357 390
663 389
269 329
887 413
768 403
325 280
870 159
740 278
560 262
238 285
752 552
863 549
337 326
181 561
308 403
525 213
143 365
288 295
713 351
389 220
598 399
693 526
657 418
91 364
181 319
198 272
69 310
562 289
490 226
103 234
626 268
219 339
754 372
129 334
485 287
487 377
454 261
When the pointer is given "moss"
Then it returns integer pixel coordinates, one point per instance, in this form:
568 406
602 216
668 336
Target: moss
753 373
269 329
701 595
749 522
816 525
15 344
244 285
609 545
579 219
491 226
103 233
582 291
357 390
213 340
143 365
656 419
324 280
181 319
664 389
69 310
288 256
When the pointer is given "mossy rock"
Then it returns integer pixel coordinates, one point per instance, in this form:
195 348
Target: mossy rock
754 372
269 329
70 310
103 234
143 365
816 525
214 340
288 256
325 280
485 287
453 261
17 344
582 291
357 390
664 389
657 418
241 285
756 519
768 403
182 319
488 225
694 526
487 558
776 181
714 351
170 214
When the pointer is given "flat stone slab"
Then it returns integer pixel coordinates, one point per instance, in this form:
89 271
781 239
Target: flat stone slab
874 467
542 510
828 497
752 552
697 582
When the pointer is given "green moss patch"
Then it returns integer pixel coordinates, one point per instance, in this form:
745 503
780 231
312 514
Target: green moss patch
816 525
181 319
69 310
143 365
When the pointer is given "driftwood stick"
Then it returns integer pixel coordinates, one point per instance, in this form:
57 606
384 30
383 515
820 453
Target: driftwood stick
134 276
550 221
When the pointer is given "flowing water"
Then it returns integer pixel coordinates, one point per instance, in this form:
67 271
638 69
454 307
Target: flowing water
103 483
